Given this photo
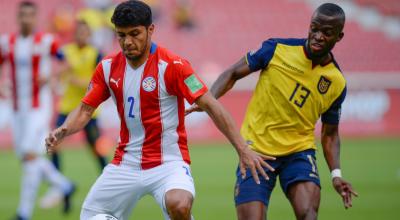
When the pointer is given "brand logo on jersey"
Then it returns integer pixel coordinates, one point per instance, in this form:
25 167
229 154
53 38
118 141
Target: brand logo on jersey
115 81
323 85
178 62
149 84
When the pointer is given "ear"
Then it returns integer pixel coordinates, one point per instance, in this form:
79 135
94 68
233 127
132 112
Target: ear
150 29
340 37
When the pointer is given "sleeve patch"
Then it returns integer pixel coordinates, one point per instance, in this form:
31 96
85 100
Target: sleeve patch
193 84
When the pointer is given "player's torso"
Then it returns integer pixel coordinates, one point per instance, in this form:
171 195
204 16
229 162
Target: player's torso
82 62
149 115
289 98
30 61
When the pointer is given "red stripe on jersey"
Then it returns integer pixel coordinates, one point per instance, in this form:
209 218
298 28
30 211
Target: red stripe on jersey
182 141
13 71
117 71
151 114
35 73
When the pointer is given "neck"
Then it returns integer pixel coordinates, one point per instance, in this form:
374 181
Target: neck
26 33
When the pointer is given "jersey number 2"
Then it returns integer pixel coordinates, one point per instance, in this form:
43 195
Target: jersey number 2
131 101
304 93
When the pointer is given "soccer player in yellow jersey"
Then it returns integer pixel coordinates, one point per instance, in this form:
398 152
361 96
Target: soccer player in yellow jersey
299 83
82 59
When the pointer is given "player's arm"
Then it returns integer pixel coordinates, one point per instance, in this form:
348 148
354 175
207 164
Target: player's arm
225 123
330 141
75 122
251 62
97 93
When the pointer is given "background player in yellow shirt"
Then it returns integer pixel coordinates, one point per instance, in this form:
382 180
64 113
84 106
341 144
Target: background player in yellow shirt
82 59
299 83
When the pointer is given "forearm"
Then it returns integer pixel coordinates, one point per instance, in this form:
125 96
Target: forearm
223 84
331 146
78 118
228 78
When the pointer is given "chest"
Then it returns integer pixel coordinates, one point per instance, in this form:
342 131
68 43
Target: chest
301 85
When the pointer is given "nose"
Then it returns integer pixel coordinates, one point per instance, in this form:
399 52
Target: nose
319 36
128 41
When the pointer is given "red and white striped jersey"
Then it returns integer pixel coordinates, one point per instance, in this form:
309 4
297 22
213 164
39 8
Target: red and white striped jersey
150 104
30 59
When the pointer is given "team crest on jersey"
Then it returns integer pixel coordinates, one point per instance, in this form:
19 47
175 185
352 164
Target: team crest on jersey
149 84
323 85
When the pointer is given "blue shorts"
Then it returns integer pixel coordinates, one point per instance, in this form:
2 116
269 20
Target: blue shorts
297 167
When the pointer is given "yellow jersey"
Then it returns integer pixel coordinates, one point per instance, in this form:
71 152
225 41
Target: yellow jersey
290 96
83 62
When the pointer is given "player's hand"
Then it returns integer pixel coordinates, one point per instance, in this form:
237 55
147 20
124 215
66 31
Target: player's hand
255 163
54 138
345 190
193 108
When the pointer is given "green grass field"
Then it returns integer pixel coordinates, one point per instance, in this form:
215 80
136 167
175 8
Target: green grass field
373 166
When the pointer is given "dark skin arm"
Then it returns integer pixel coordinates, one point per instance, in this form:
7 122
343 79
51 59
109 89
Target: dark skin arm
75 122
226 81
331 145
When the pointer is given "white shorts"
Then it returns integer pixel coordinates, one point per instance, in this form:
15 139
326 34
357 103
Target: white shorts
119 188
29 131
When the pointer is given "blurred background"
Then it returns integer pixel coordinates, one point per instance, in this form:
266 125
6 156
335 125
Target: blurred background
213 34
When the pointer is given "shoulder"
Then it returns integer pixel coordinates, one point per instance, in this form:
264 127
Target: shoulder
168 56
288 41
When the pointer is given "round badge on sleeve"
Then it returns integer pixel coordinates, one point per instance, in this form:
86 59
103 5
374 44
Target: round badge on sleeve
149 84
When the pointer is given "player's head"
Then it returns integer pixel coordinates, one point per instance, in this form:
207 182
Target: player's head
326 29
134 28
82 33
27 17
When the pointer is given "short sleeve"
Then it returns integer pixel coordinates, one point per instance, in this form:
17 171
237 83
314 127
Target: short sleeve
98 90
260 59
181 80
332 115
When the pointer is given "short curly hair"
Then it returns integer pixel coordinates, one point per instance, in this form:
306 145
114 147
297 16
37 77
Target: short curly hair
132 13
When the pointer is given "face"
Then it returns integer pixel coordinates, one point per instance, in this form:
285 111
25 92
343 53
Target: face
27 18
325 31
82 33
134 40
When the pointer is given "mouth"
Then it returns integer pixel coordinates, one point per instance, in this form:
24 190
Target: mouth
316 47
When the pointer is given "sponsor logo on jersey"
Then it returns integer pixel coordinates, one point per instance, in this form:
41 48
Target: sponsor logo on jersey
323 85
193 83
149 84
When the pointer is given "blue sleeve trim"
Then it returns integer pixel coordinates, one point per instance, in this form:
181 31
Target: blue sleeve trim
261 58
332 115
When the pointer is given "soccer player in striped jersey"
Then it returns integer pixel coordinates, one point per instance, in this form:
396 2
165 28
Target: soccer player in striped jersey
29 54
148 84
299 82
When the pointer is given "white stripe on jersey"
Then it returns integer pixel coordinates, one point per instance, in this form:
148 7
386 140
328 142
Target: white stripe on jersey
169 119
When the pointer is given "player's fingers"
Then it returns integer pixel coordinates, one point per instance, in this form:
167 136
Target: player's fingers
353 192
261 171
266 157
266 165
254 174
242 170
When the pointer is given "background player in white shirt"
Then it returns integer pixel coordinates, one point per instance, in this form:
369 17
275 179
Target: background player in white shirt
148 84
29 54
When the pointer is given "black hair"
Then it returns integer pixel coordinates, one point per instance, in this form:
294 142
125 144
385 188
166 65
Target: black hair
27 4
331 9
132 13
